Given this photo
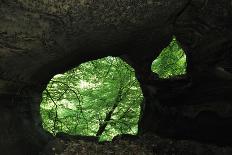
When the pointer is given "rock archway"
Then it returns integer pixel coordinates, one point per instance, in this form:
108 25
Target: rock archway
40 39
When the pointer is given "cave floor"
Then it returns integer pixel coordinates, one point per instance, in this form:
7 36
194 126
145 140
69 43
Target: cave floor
133 145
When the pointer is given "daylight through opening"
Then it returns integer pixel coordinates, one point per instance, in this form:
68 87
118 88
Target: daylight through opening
99 98
171 62
102 97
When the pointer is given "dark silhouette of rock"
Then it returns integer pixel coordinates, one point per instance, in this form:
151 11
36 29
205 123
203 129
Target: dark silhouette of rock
125 137
68 137
39 40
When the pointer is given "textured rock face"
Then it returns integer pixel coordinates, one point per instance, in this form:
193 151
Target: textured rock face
199 105
39 39
43 38
20 123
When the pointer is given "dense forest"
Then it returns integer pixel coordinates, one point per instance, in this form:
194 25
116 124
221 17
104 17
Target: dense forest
102 97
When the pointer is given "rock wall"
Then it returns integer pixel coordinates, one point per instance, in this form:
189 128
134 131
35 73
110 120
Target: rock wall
198 105
21 130
39 39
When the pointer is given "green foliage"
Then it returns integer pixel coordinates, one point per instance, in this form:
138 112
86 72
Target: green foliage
79 101
102 97
171 61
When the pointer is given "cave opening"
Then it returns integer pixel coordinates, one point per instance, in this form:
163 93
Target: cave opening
98 98
171 62
102 98
39 40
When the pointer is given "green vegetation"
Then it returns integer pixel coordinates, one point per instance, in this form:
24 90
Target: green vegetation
102 97
97 98
171 61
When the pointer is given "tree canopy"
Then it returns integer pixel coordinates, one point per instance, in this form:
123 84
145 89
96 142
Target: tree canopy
102 97
171 61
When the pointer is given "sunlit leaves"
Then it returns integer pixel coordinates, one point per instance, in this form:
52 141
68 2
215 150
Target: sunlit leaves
171 61
81 99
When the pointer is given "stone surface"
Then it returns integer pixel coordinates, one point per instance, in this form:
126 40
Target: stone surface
197 106
148 144
39 39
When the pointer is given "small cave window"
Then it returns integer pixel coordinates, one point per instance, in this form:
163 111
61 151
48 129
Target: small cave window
98 98
171 62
